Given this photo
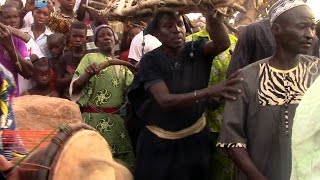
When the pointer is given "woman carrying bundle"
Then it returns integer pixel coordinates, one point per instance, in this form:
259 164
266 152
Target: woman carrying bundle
169 94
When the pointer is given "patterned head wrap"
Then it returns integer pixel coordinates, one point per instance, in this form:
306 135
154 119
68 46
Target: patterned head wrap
282 6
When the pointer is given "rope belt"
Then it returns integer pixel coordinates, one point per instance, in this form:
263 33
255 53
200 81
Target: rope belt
172 135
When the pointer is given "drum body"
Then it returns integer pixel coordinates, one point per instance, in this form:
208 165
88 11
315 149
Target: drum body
76 152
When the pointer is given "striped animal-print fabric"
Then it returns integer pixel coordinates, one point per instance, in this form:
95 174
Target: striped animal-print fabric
231 145
279 87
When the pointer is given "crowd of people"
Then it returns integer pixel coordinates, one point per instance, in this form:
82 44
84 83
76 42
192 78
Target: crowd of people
186 105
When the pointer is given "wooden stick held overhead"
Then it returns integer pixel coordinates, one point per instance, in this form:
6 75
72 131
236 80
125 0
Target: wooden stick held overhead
127 9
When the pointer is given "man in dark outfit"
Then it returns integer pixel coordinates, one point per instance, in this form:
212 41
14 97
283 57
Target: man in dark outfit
256 129
169 94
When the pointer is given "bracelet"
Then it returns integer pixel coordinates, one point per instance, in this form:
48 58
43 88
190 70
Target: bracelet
195 95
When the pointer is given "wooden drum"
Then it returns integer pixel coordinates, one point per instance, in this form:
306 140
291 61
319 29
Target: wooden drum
76 152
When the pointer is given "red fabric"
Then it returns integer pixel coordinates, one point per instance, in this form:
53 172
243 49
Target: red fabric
124 55
89 109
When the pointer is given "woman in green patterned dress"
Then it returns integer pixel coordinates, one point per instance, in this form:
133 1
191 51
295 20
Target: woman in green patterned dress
100 94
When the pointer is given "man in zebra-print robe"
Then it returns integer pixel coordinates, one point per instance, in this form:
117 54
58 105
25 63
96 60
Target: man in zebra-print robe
256 130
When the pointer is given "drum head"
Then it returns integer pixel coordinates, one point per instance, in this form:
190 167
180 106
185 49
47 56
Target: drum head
84 156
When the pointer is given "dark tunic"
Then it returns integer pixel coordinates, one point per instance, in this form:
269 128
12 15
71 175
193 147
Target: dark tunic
158 158
261 117
68 65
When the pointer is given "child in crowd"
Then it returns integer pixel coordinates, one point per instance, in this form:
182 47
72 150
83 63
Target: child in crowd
10 18
69 61
56 43
41 77
10 12
39 30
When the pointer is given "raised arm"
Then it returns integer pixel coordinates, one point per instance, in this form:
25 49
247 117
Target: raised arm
36 52
218 33
24 36
24 67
